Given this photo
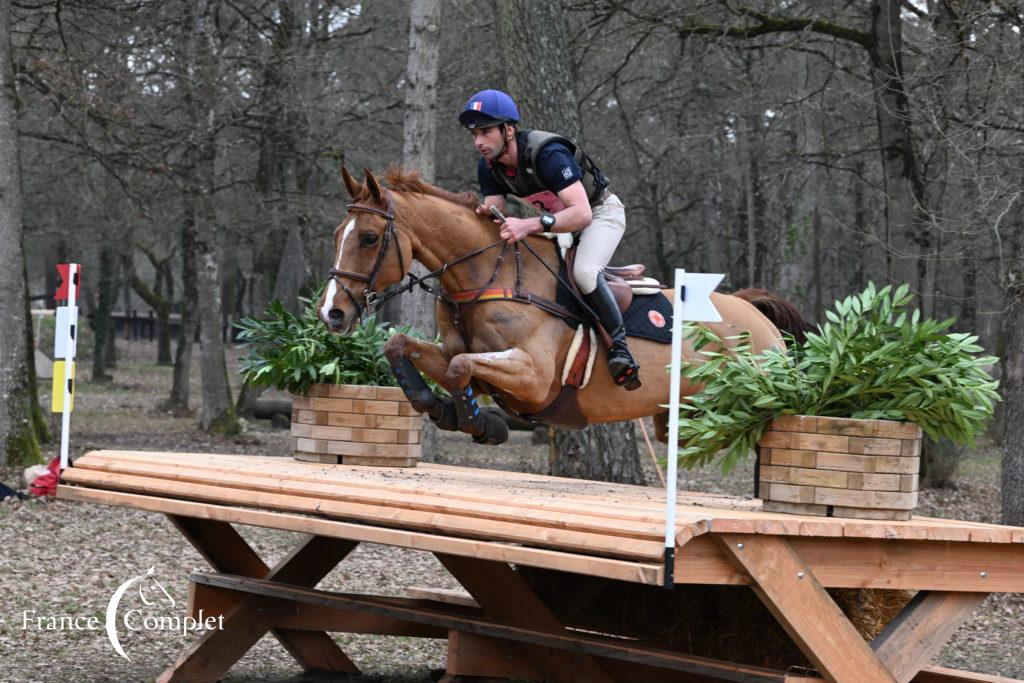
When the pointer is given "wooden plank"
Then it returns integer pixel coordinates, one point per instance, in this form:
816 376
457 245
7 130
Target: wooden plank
873 513
305 617
796 423
379 450
893 500
414 422
889 429
870 446
819 442
611 501
867 463
331 405
316 477
794 458
352 391
254 481
789 589
378 461
874 563
310 417
450 524
795 508
506 597
362 435
649 574
445 595
391 394
911 448
941 674
877 482
915 636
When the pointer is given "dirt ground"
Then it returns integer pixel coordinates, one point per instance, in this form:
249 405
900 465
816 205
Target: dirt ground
66 559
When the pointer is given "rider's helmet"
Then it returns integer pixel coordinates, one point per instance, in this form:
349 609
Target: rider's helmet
489 108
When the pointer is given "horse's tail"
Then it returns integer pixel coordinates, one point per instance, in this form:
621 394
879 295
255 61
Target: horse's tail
783 314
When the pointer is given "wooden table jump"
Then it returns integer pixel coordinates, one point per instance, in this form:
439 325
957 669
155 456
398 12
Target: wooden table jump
481 522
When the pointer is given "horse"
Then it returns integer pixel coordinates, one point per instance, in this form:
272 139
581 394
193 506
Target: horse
506 348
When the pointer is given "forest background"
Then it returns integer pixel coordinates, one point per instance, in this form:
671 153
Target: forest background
187 154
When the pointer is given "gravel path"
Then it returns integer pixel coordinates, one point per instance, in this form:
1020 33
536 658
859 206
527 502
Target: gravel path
67 559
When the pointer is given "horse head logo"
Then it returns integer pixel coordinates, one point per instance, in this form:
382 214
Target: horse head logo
147 584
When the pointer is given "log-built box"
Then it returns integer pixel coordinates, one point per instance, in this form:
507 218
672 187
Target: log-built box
356 425
840 467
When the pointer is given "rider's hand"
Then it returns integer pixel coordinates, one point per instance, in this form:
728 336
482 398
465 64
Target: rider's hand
514 229
482 210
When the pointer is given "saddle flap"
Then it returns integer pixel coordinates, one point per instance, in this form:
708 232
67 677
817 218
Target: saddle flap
621 290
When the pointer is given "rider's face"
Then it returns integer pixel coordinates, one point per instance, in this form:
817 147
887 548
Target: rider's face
488 141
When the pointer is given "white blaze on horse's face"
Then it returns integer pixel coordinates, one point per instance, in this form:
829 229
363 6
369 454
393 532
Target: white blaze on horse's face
332 286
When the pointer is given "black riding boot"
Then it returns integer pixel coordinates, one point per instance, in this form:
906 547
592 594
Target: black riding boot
621 365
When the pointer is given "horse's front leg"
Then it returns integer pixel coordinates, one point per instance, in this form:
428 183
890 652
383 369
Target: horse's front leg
408 357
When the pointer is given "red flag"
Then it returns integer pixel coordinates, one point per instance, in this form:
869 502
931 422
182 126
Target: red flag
62 290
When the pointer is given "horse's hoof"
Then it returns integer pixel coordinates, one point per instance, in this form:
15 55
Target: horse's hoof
495 430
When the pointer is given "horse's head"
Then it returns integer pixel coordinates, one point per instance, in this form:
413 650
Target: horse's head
370 254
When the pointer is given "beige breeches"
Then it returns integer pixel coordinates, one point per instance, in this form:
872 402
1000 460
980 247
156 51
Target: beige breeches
598 242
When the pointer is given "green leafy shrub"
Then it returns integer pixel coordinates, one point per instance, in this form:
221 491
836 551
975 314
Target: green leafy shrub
291 352
872 360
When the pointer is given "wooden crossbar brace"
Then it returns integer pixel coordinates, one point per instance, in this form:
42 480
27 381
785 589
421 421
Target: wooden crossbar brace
438 616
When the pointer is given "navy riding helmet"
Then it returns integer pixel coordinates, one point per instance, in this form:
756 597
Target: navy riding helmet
489 108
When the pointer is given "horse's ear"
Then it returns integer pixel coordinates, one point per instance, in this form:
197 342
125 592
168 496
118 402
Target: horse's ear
351 186
373 186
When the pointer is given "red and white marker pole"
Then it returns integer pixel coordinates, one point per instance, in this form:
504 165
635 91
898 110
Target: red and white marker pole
65 343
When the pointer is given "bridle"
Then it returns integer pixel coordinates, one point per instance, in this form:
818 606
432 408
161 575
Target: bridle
374 299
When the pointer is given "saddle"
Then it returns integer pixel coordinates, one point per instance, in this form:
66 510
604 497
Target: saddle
625 282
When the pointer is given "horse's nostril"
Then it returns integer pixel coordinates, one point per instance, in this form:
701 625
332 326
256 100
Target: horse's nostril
335 315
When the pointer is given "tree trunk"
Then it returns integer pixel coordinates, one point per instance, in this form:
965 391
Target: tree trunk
19 443
218 411
905 205
180 387
532 41
102 325
1013 396
417 307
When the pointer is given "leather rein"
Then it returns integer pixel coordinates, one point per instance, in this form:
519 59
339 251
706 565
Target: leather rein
375 299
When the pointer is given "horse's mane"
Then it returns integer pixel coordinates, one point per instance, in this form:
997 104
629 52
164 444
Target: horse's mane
408 180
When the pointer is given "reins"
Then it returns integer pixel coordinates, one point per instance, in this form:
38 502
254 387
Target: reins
375 299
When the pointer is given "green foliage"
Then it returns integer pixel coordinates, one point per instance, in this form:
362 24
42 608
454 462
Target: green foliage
871 360
292 352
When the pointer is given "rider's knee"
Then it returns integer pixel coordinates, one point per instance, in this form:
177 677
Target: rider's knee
586 277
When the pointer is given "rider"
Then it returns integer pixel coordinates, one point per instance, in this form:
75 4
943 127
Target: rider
555 175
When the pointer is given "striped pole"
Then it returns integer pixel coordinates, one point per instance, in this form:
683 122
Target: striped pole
65 343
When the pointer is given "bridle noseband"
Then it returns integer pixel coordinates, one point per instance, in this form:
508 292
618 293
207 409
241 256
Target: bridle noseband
373 298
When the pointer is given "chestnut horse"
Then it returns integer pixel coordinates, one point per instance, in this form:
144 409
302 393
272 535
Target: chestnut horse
512 350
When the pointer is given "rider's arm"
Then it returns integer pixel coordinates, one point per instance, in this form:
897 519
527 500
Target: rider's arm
577 214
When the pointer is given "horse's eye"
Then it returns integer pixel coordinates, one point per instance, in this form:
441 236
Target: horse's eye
369 239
